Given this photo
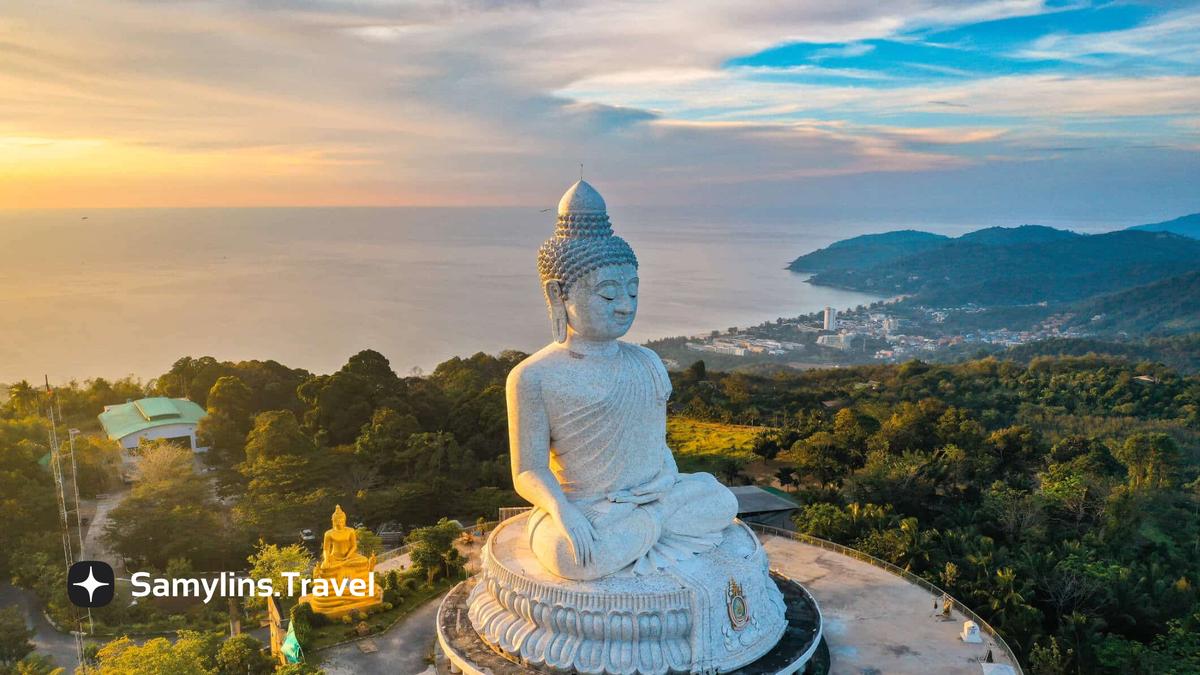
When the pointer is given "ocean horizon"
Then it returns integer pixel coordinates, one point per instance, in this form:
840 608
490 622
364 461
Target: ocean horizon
113 292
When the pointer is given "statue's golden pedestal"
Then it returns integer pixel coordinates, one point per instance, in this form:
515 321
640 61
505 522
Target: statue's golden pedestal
335 607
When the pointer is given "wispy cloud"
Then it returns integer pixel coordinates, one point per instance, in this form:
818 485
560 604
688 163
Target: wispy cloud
127 102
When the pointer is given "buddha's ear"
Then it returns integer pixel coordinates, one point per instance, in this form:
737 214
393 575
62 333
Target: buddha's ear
557 302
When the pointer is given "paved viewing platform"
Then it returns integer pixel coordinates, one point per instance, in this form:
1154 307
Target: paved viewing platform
876 622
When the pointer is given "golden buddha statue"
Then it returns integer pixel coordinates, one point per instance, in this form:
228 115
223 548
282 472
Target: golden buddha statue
343 581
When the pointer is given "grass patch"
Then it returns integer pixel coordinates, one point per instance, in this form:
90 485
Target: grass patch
709 446
689 437
336 631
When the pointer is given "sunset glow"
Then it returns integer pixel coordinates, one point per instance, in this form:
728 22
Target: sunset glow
389 103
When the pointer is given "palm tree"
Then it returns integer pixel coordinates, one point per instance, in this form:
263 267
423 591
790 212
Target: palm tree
23 397
1007 600
916 542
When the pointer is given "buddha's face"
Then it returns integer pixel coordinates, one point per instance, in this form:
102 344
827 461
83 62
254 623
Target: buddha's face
601 305
339 521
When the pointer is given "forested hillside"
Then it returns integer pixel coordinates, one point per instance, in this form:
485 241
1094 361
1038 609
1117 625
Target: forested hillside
1167 307
1056 270
1181 352
867 250
1058 498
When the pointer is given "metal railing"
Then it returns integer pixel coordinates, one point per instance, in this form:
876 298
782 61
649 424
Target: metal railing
984 626
476 530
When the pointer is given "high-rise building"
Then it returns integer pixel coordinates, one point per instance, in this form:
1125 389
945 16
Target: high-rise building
830 318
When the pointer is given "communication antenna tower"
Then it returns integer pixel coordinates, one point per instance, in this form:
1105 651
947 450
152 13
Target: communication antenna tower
65 507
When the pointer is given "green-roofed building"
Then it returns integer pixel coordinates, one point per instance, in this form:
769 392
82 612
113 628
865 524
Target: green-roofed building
173 419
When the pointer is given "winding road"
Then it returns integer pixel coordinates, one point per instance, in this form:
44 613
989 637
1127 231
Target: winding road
47 640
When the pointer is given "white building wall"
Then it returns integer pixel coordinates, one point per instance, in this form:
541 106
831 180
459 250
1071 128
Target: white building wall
166 431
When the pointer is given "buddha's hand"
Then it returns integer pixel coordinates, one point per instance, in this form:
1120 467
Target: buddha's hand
579 532
647 492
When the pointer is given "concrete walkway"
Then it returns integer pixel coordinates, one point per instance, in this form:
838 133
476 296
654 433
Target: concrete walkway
876 622
94 547
402 650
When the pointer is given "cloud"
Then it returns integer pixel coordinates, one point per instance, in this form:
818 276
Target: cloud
424 102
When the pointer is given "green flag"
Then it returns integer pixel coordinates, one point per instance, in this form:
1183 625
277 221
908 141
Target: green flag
291 646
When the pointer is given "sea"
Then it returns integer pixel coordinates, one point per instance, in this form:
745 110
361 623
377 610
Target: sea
117 292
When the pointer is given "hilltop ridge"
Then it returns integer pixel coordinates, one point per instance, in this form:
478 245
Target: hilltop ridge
1188 226
1000 266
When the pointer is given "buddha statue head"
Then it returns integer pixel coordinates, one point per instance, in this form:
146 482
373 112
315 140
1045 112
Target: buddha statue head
589 275
339 517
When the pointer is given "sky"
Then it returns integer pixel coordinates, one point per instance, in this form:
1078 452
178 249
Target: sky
983 109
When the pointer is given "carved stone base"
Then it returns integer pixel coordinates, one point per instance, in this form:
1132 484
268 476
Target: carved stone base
714 612
461 650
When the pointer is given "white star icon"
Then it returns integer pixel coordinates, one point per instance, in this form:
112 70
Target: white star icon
91 584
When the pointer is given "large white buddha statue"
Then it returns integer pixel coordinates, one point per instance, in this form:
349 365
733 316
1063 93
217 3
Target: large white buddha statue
587 419
624 565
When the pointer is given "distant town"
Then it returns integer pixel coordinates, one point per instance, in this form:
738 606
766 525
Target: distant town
888 331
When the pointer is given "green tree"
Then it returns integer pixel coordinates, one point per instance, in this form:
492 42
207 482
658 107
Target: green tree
303 620
277 434
827 521
368 542
168 514
430 546
230 397
26 492
14 637
1015 445
1151 459
37 664
766 445
98 461
341 403
787 477
1048 659
243 654
288 479
23 398
191 654
228 421
851 429
270 561
819 456
384 442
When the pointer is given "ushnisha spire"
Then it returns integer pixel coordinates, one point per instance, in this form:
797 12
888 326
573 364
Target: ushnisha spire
583 240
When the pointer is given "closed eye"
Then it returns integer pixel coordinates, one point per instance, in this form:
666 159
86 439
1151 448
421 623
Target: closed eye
608 291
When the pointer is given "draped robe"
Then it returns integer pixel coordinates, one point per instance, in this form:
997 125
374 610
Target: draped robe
609 435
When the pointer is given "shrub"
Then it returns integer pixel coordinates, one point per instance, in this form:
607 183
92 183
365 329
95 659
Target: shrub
243 654
391 580
303 619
